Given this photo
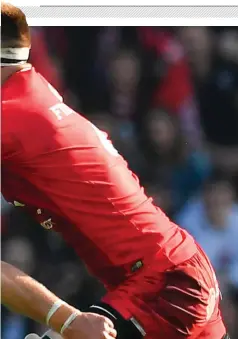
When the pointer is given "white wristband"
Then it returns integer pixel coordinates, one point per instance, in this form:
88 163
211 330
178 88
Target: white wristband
53 309
69 321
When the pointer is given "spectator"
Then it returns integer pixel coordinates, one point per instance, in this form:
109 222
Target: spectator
124 77
173 87
212 218
214 62
169 159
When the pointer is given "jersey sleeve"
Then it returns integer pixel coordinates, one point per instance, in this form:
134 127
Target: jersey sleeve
10 147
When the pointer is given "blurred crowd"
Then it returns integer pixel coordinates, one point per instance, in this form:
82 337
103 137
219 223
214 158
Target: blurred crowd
168 98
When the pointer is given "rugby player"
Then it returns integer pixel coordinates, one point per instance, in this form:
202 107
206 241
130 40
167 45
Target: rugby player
67 174
24 295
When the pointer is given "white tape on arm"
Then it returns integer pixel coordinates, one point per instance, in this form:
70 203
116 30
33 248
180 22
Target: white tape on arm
69 321
53 309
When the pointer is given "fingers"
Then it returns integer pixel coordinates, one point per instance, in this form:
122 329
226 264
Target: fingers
113 333
109 329
108 336
109 322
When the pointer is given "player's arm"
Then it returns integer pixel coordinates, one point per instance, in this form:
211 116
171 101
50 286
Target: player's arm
24 295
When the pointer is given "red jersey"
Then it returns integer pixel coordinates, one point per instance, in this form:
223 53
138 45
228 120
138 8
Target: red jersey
68 175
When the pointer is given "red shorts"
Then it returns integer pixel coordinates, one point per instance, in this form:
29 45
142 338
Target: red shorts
182 302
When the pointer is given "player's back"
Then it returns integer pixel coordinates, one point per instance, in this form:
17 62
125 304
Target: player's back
58 163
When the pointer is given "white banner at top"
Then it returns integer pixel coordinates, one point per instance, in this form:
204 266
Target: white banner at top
122 3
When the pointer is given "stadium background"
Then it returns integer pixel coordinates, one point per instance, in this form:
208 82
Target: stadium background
168 98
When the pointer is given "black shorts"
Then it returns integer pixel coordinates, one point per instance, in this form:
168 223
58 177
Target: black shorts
126 329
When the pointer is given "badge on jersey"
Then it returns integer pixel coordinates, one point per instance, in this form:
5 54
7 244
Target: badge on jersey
47 224
18 204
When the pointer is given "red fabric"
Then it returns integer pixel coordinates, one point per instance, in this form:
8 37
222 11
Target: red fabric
172 304
67 172
175 87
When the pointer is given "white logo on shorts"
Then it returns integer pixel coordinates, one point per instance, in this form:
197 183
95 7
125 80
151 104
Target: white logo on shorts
214 293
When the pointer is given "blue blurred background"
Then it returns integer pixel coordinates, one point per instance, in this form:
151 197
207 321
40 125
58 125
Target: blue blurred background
168 98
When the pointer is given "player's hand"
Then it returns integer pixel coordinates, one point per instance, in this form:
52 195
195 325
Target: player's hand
90 326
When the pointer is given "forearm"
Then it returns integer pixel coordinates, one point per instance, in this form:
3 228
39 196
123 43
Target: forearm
24 295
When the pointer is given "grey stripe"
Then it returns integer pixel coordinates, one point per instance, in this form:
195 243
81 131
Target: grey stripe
131 11
103 309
